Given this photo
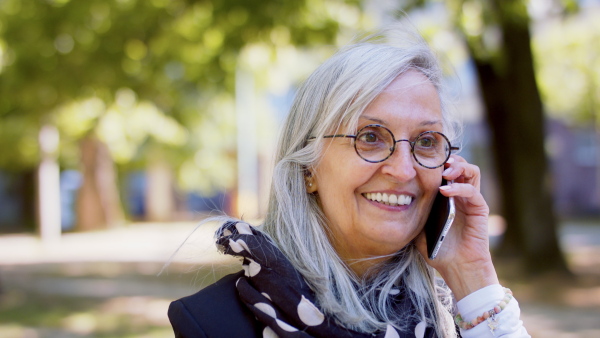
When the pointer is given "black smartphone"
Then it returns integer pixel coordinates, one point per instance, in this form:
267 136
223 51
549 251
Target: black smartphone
438 223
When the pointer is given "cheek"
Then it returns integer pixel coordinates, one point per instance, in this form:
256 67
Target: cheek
338 185
431 182
342 186
334 191
431 179
340 172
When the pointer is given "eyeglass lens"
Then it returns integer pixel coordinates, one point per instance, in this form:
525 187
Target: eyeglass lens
376 143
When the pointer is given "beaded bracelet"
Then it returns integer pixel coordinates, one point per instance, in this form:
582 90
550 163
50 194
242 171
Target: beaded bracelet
489 315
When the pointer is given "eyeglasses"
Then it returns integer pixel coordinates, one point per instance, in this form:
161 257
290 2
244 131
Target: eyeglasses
375 143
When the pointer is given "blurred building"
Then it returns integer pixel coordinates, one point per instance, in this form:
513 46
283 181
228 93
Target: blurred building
575 161
573 154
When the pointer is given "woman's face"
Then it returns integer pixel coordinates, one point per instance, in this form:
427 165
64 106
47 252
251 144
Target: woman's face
361 227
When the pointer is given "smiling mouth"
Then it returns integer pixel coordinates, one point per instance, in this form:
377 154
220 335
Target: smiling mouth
388 199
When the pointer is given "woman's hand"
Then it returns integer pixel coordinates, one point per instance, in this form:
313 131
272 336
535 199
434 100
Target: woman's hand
464 259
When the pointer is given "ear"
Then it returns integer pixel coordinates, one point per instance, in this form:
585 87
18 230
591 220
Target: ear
310 182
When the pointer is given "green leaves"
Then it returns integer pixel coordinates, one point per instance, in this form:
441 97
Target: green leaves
69 63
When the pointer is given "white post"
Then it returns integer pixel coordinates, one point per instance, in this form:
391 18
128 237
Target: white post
160 204
247 152
49 186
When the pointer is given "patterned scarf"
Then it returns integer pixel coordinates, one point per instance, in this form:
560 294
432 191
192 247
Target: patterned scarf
278 295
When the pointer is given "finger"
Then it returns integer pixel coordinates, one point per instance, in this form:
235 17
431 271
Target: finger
456 158
462 172
467 191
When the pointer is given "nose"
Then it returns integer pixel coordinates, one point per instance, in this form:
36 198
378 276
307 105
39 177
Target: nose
401 165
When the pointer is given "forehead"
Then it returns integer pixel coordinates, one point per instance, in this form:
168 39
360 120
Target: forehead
410 99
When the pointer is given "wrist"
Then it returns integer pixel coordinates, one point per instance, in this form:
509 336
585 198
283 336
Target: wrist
467 278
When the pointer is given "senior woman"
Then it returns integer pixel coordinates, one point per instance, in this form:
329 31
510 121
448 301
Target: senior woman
342 251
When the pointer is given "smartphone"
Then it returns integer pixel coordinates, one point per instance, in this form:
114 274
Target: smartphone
439 222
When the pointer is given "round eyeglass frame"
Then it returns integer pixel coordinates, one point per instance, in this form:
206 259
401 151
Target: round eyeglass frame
393 148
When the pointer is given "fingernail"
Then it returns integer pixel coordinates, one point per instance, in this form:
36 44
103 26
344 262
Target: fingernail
445 187
447 171
450 160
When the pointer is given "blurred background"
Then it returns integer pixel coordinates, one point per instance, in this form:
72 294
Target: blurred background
124 123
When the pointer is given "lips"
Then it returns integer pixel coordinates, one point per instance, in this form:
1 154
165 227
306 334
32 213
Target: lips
388 199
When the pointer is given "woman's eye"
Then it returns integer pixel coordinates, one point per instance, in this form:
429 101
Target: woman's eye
368 137
426 142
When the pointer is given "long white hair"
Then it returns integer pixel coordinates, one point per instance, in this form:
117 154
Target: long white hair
334 96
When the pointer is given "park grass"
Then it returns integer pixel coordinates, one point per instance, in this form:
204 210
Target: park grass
32 306
25 314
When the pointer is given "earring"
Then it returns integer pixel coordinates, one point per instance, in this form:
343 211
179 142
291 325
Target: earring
311 185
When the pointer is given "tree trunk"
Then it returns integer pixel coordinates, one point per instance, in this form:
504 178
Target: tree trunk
98 201
515 116
27 194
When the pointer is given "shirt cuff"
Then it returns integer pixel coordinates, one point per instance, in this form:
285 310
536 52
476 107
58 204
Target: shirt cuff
480 301
507 322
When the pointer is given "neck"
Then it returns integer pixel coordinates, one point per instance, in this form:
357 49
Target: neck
361 266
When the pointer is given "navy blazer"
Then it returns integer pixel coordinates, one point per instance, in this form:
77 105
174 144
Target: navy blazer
214 312
217 312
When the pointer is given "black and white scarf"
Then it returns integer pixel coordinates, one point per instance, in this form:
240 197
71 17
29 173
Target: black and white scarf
278 295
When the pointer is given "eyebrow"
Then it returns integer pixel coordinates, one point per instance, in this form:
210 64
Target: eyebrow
380 121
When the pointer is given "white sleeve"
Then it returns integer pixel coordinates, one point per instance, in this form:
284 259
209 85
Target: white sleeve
509 325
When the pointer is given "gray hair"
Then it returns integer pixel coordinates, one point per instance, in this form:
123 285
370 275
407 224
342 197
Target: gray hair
333 96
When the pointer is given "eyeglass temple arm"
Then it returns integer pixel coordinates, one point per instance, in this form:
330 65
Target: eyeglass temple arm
339 135
332 136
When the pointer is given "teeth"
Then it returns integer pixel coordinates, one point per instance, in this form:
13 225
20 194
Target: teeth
390 199
402 199
393 199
